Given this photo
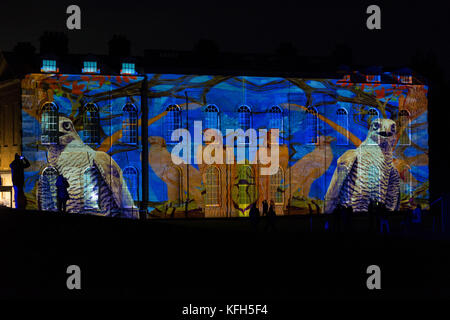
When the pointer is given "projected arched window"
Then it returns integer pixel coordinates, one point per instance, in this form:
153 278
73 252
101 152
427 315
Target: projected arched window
405 185
175 186
245 115
130 124
405 126
212 186
91 189
211 114
374 182
246 185
130 175
313 125
91 124
342 121
49 124
47 189
276 186
276 118
172 122
372 115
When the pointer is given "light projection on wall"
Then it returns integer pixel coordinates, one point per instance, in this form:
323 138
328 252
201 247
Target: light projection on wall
339 142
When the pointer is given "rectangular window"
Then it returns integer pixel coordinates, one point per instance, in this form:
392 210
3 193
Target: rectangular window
128 69
90 67
49 66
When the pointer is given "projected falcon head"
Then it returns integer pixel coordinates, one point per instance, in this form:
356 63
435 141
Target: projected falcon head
66 131
382 132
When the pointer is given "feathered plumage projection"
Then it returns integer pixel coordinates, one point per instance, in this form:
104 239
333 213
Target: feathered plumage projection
368 172
95 179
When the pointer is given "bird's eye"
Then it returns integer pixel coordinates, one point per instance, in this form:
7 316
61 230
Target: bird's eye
393 128
376 126
66 125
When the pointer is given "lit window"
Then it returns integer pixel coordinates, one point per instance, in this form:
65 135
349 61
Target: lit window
49 66
276 118
130 175
405 127
172 122
373 78
342 121
313 125
47 190
49 124
276 186
91 124
212 186
128 69
407 79
91 189
211 117
130 124
90 67
244 117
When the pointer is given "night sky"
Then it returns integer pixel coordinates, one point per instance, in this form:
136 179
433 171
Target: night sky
314 27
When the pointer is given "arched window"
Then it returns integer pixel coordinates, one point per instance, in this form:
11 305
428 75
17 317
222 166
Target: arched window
342 121
49 124
91 189
276 186
405 126
130 124
245 115
212 186
175 186
211 117
373 114
276 118
48 189
313 125
172 122
246 185
405 185
130 175
91 124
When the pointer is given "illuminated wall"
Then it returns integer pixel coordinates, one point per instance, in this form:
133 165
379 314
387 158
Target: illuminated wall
334 137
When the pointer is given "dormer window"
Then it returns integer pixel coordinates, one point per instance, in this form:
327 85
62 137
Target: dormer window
128 69
90 67
49 66
373 78
405 79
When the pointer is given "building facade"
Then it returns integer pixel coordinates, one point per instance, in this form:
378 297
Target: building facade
339 142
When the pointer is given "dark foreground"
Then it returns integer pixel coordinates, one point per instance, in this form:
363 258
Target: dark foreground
215 260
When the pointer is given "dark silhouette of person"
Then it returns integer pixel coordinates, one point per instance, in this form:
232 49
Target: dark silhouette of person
271 216
265 208
372 216
254 215
62 194
337 216
383 213
18 166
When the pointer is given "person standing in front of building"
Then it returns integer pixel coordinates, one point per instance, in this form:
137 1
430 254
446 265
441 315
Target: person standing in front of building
62 194
18 167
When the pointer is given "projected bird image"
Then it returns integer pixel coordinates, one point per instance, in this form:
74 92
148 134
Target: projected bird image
95 180
367 173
